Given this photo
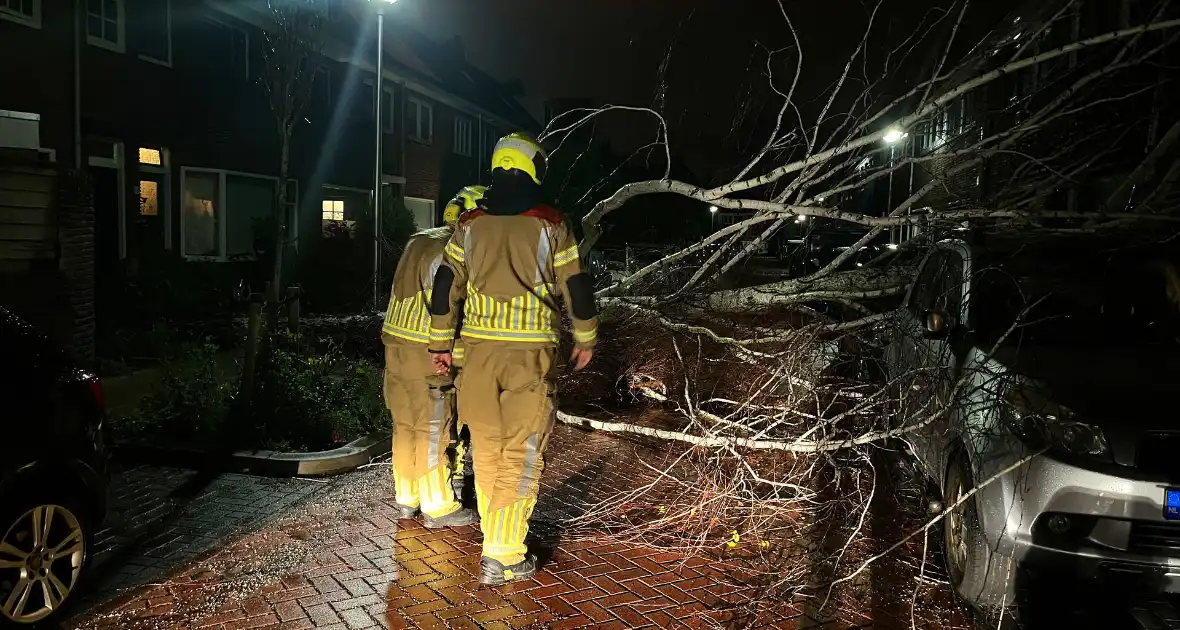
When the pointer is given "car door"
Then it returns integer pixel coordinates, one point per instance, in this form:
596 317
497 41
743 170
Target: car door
926 367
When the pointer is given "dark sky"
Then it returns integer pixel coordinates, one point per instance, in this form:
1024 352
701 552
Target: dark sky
612 51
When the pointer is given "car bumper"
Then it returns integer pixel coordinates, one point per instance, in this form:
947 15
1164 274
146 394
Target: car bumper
1110 551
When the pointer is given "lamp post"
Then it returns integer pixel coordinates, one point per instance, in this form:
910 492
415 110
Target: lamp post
893 136
377 162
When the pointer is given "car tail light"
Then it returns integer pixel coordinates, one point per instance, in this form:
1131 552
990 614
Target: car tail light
96 391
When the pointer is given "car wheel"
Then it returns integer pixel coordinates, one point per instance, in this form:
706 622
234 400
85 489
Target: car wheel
963 543
44 547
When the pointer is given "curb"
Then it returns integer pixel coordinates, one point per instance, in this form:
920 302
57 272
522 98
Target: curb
267 463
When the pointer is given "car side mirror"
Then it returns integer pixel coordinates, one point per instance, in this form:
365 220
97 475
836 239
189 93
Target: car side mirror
936 325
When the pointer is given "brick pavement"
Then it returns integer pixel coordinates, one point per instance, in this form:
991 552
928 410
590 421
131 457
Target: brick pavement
337 559
161 518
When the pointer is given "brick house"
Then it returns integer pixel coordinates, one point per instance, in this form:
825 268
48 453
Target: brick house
157 101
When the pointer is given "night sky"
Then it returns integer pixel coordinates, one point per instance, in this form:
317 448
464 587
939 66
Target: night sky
612 50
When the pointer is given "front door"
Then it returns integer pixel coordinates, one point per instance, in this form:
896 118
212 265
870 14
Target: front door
105 182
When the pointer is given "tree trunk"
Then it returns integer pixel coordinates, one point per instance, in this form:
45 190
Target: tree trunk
272 298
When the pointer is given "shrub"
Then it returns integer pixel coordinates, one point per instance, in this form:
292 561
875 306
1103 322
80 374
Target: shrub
308 399
190 403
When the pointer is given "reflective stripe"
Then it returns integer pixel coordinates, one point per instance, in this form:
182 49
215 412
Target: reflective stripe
456 252
436 420
585 336
458 352
408 335
531 452
566 256
475 332
531 317
442 335
428 281
408 318
544 243
527 148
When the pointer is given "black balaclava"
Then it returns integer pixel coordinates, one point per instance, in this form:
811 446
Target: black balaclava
512 192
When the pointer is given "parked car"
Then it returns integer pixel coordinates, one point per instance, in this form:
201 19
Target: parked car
1058 363
53 474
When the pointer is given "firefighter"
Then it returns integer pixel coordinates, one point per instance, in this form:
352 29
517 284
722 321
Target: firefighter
419 398
510 260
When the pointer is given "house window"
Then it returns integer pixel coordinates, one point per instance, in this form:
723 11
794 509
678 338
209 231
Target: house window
150 156
27 12
104 24
150 30
422 210
463 135
421 121
227 50
225 215
333 210
149 198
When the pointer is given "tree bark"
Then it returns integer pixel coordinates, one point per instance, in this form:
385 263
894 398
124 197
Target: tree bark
276 290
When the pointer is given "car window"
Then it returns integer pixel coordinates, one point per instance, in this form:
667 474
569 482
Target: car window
950 298
940 285
927 287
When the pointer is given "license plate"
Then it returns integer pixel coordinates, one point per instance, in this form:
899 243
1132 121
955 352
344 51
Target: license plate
1172 504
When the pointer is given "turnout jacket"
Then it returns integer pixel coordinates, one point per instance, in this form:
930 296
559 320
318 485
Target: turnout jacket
509 270
408 317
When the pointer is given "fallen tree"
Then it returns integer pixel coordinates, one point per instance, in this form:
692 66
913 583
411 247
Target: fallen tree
769 394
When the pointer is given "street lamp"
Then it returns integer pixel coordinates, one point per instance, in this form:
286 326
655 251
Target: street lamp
377 167
713 209
893 135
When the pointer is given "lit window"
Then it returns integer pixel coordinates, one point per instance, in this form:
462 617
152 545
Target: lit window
150 156
149 198
333 209
104 23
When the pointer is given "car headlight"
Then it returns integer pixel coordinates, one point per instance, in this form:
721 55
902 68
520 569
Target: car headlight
1043 424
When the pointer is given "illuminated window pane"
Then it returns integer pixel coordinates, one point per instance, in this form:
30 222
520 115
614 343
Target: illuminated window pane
333 210
149 198
202 216
150 156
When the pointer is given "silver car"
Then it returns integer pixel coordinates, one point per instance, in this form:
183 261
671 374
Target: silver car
1042 376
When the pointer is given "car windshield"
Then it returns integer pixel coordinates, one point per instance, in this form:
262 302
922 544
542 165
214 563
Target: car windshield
1091 296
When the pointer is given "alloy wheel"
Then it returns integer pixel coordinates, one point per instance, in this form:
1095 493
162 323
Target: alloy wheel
41 558
956 534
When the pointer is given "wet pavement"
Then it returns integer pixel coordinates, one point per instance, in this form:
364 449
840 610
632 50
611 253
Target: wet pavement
232 551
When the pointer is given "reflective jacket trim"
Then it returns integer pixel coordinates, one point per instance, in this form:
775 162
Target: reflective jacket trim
408 335
585 336
407 318
456 252
566 256
530 317
458 352
445 336
527 336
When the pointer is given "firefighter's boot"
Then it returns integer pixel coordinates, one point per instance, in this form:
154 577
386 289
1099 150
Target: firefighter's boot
458 518
494 573
406 511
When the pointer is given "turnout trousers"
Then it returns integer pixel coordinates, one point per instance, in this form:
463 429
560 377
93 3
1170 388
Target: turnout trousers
506 399
421 403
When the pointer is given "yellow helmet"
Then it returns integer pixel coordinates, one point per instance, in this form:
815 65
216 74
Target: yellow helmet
519 151
466 200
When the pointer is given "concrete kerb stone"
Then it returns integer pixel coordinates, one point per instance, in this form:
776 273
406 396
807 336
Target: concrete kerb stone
268 463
